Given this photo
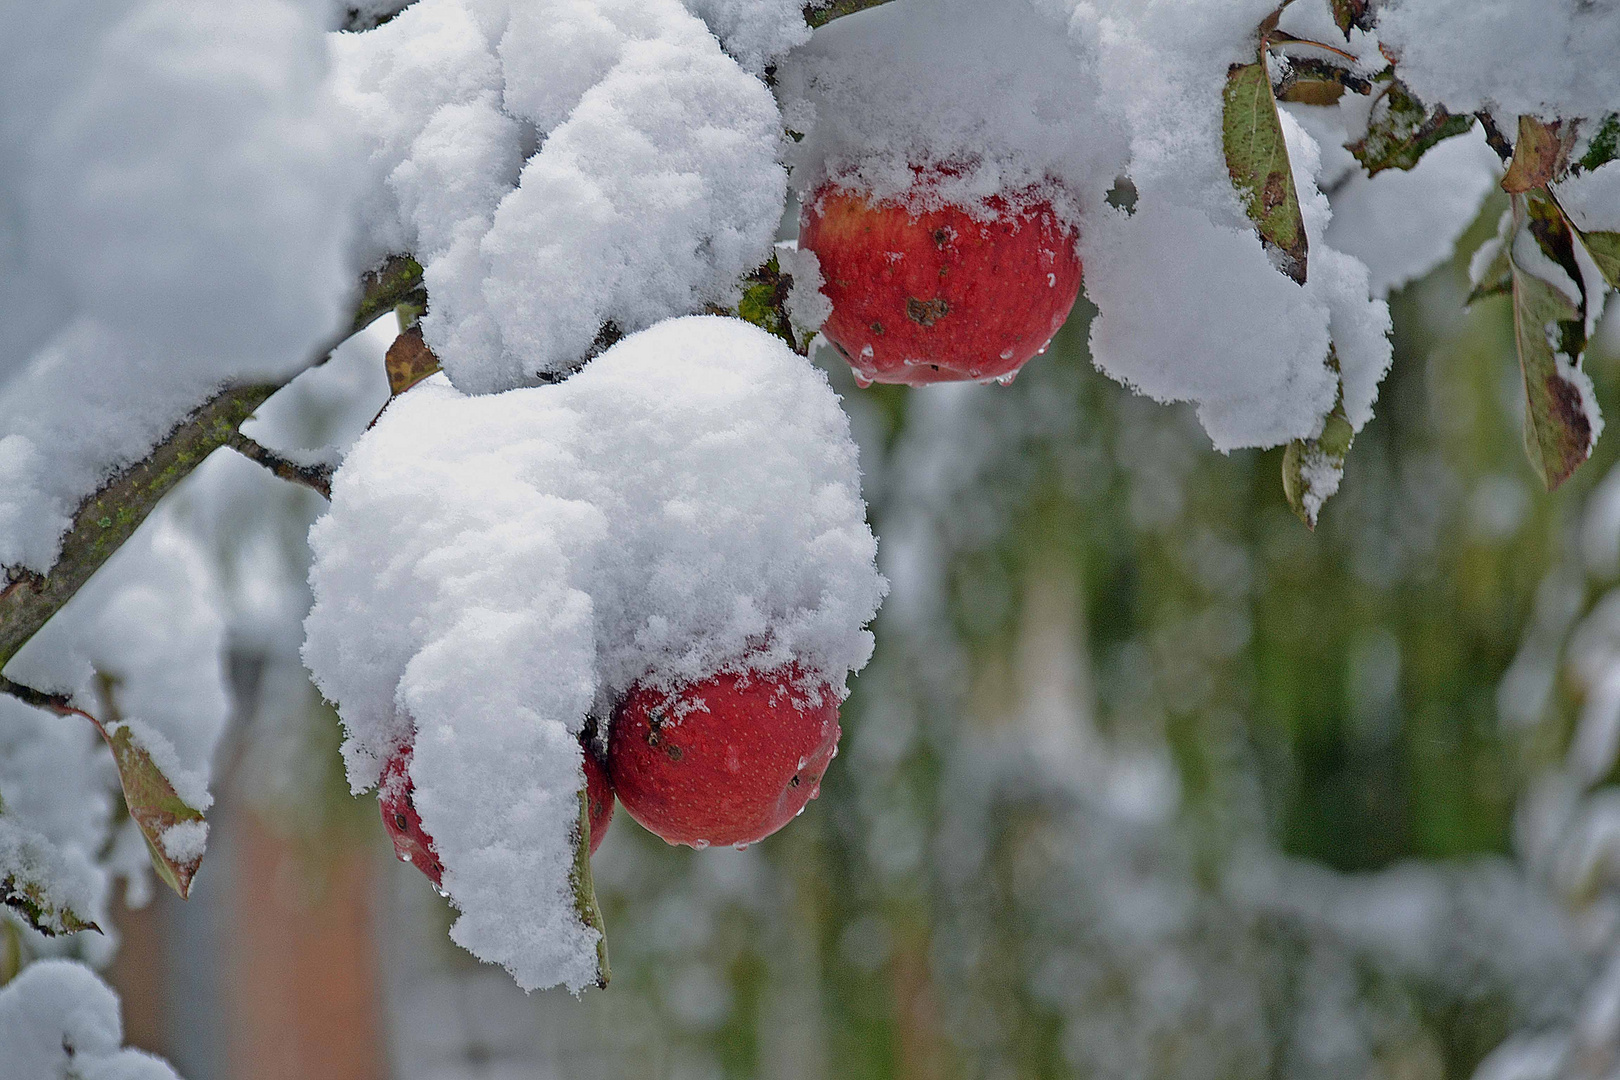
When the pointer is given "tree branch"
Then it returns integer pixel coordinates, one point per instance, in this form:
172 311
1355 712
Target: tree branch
110 516
317 478
819 13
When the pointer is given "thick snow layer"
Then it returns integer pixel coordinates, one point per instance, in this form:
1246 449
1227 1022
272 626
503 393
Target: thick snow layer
1191 307
1593 198
1404 224
756 32
1550 58
495 567
559 165
173 206
58 1020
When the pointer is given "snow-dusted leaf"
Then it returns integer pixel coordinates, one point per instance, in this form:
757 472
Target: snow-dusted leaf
175 832
1603 146
1549 328
1540 156
822 12
1257 158
31 873
1401 129
1312 468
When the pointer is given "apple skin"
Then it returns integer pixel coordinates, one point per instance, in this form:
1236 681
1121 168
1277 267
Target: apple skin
412 843
745 755
940 295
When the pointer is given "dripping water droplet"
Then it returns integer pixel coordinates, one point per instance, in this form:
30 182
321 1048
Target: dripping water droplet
1006 354
404 856
699 845
741 845
862 380
1007 379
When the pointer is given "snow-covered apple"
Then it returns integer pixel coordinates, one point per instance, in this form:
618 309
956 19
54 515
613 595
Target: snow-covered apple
728 760
412 843
924 291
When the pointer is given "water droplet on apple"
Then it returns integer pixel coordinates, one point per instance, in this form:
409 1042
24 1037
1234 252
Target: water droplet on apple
815 792
442 894
1007 354
1007 379
700 844
741 845
802 763
974 373
862 380
404 856
1051 281
799 811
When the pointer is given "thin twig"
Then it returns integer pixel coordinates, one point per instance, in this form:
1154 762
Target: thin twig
317 478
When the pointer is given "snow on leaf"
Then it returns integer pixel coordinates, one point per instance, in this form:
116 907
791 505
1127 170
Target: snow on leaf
1312 468
28 884
1401 129
157 809
1309 81
1561 416
1540 156
1603 146
1257 158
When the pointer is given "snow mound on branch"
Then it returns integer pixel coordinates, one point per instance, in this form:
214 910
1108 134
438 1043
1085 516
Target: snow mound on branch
1191 307
559 165
494 568
1549 58
756 32
173 198
58 1019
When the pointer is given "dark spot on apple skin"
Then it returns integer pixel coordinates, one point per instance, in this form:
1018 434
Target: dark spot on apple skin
941 237
400 823
927 312
877 328
793 783
673 751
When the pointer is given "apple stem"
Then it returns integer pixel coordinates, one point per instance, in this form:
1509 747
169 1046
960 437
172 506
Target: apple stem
585 905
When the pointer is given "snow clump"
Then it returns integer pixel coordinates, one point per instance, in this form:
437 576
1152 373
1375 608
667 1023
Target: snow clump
58 1019
559 165
496 568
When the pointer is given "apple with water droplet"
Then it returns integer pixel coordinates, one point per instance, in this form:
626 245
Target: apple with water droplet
412 843
924 291
727 760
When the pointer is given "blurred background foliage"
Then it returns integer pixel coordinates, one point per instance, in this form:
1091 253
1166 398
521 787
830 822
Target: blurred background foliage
1144 781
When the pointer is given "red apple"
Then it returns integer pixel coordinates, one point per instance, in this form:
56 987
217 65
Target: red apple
728 760
940 295
412 843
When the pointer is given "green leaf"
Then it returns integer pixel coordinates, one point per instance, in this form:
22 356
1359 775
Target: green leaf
1312 468
1549 329
1401 129
579 879
153 803
1604 146
1604 247
1539 157
1257 158
1496 278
